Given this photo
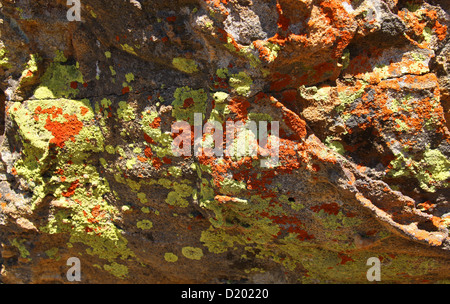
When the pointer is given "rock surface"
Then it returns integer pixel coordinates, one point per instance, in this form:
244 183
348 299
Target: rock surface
360 90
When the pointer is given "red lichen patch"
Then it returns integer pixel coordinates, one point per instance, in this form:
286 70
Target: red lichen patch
74 84
188 102
63 131
148 152
171 19
71 190
321 69
125 90
219 5
264 52
148 139
330 208
239 106
283 22
54 111
440 30
315 167
157 163
84 110
341 22
280 81
156 123
427 206
293 121
344 258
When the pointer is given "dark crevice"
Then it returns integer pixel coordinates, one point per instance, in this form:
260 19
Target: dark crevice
2 113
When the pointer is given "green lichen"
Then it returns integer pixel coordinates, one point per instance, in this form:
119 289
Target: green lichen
125 111
430 171
273 51
232 187
220 97
222 73
192 253
55 83
241 82
31 66
178 196
24 253
52 253
142 197
129 77
434 168
130 163
110 149
319 94
113 72
427 34
257 117
345 59
247 52
144 224
163 146
4 61
129 49
347 98
118 270
185 65
335 145
175 171
188 101
170 257
83 188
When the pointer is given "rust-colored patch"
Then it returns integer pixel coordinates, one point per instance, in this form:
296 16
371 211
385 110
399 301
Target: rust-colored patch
71 190
330 208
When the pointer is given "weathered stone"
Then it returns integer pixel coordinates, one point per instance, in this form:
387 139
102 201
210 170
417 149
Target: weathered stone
360 91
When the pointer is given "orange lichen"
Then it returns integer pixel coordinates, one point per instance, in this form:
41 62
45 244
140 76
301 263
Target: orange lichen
64 131
71 190
440 30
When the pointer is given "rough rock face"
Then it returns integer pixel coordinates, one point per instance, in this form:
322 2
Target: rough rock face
361 93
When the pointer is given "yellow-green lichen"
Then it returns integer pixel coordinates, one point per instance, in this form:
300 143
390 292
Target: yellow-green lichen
88 218
52 253
348 98
118 270
185 65
241 82
163 139
57 79
431 171
24 253
144 224
170 257
192 253
4 61
335 145
188 101
126 111
129 49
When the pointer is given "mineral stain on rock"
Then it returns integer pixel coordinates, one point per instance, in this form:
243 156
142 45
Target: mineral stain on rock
360 90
